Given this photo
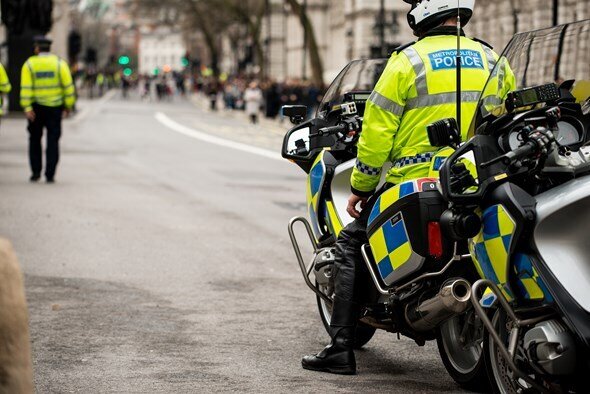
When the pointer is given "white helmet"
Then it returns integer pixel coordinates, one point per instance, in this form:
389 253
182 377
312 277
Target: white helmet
428 14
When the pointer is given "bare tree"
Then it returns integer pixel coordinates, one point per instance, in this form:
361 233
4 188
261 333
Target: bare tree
190 15
212 18
251 13
317 67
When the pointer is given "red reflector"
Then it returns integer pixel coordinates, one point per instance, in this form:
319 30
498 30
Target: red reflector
435 247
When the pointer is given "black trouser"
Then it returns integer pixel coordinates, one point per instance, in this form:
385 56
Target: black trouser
50 118
352 282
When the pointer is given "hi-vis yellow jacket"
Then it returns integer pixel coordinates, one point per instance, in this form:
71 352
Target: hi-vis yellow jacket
5 86
46 80
417 88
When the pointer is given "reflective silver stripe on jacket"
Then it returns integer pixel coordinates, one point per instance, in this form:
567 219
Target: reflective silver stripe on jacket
442 98
492 101
366 169
419 69
421 158
386 104
490 56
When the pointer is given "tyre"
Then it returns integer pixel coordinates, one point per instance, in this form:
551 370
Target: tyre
363 332
460 344
501 377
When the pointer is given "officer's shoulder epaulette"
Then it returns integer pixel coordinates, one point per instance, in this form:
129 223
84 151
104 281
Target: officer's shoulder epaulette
482 42
401 48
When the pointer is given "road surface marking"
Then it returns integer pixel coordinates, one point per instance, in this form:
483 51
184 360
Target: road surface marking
202 136
92 107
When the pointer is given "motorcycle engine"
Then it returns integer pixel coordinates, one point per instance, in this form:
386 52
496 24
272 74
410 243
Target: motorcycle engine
551 347
323 264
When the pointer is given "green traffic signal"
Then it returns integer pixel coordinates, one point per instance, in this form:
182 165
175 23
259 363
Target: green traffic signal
184 62
124 60
127 72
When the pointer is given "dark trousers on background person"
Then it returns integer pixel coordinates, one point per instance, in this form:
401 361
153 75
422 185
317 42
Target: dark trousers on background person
49 118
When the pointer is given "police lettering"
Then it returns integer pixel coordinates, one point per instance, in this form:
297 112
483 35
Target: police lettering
44 74
447 59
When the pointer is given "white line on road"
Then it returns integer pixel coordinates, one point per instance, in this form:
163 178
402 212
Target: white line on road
202 136
92 107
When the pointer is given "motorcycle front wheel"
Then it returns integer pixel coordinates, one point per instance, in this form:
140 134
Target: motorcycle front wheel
460 344
363 332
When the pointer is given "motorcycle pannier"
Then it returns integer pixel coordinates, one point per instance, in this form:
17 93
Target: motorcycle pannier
398 229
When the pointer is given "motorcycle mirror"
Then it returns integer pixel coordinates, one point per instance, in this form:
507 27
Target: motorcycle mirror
296 145
296 113
444 133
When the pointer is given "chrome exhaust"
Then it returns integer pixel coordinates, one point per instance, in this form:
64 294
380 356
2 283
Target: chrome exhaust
451 300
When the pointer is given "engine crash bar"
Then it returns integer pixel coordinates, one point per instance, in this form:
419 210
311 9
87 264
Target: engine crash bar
507 352
306 269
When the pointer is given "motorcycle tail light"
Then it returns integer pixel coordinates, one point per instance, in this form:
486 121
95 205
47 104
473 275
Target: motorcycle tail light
435 244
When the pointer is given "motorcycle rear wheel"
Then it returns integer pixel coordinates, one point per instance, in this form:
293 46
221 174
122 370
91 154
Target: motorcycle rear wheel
363 332
459 341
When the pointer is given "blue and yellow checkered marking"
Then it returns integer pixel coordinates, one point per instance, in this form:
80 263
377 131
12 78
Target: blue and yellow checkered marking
332 219
529 285
391 246
491 247
314 187
390 196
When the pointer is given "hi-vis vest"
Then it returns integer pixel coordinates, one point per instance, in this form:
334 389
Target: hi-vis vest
417 88
46 80
4 86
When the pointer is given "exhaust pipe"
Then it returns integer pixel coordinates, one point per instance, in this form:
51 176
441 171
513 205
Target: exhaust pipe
452 299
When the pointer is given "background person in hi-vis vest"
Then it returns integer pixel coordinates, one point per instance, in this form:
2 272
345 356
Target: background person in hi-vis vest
417 88
5 88
47 93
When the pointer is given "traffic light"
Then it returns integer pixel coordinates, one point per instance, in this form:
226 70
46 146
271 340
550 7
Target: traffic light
184 61
127 72
124 60
156 71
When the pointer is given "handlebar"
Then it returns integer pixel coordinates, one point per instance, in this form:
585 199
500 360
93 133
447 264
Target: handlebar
338 129
347 125
519 153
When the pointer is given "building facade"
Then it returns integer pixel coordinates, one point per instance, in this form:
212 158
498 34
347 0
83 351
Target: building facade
161 50
350 29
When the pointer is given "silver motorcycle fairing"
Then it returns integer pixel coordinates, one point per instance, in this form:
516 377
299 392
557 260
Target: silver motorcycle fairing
341 188
562 236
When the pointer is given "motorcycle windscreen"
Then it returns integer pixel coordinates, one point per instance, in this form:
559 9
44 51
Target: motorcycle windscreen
358 75
553 55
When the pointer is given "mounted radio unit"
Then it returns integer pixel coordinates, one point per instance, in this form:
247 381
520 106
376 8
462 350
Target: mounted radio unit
531 96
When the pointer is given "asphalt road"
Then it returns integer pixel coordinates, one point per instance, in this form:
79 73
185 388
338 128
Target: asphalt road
160 261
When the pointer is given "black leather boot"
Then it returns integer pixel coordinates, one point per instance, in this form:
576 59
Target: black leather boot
337 357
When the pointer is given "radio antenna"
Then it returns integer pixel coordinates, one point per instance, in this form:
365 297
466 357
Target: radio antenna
458 68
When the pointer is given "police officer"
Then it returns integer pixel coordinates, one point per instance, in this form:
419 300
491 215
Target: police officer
417 88
47 94
5 87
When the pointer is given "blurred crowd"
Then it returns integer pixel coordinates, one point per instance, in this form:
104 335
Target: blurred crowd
264 98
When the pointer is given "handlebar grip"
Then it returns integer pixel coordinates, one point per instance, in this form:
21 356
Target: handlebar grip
341 128
517 154
520 153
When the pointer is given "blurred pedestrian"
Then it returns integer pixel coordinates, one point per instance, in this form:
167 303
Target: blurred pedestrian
253 98
47 94
213 93
5 87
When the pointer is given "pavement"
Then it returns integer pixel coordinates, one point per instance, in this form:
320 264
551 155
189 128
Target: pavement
159 261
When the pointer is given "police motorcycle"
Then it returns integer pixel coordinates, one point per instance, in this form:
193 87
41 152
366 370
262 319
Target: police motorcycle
519 192
422 278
